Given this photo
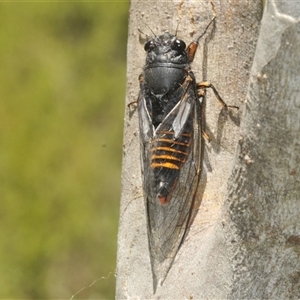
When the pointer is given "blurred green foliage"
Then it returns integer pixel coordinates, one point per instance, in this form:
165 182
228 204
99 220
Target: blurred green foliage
62 92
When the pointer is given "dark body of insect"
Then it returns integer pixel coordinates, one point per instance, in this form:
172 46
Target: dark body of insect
170 134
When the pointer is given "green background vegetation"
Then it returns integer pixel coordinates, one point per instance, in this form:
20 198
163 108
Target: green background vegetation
62 92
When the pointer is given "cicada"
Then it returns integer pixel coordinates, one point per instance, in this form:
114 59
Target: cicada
169 107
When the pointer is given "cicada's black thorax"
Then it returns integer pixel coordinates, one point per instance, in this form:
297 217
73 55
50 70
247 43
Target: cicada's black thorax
166 68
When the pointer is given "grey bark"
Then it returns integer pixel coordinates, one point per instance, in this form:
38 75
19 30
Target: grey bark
245 239
262 210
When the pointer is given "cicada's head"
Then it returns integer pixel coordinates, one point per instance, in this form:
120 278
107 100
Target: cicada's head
166 48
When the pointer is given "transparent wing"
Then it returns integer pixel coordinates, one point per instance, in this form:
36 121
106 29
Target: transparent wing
171 163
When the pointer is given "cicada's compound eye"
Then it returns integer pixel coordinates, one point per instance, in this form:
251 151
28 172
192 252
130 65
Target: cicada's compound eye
178 45
149 46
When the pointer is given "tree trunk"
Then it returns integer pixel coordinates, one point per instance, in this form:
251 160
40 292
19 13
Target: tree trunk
245 239
262 210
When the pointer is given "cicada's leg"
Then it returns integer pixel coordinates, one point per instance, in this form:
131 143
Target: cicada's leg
141 80
201 94
132 103
204 85
205 135
192 48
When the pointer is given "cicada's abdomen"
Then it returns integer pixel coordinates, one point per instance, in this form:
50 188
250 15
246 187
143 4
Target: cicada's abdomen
168 155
